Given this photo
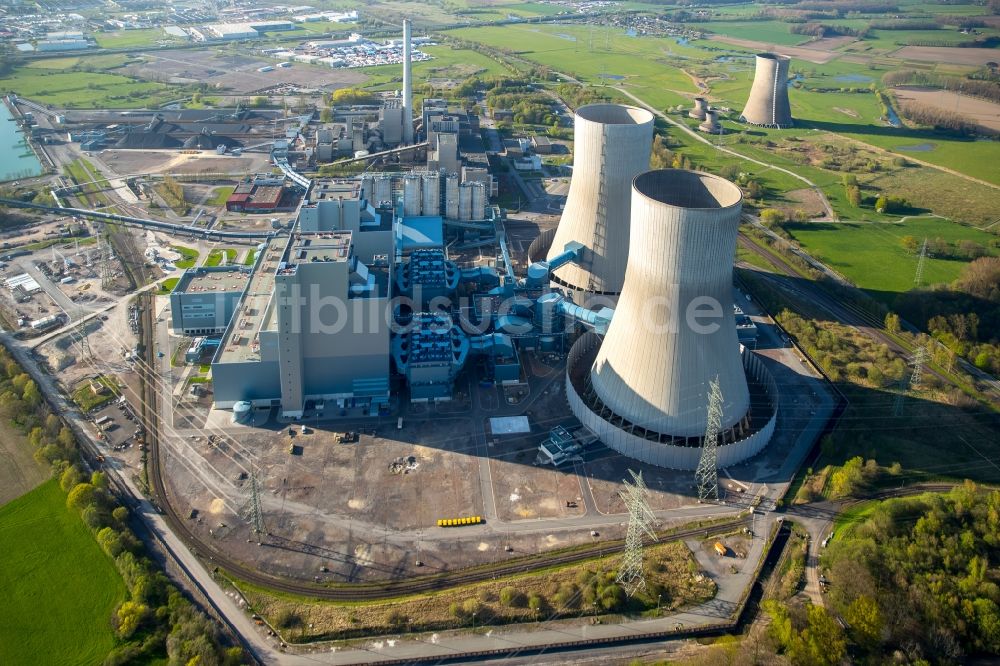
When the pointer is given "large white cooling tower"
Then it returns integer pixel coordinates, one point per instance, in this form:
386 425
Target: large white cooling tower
768 105
655 365
644 388
611 145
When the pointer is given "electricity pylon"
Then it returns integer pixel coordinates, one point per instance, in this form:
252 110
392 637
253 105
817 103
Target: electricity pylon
920 359
254 512
640 519
919 277
707 474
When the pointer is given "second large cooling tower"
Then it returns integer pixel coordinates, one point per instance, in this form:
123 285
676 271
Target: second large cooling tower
659 354
643 388
768 104
611 145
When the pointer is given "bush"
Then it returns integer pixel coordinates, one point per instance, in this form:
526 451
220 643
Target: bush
287 619
567 596
513 598
536 602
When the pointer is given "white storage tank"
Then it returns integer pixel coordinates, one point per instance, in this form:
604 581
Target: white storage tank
411 195
431 194
465 201
478 201
451 197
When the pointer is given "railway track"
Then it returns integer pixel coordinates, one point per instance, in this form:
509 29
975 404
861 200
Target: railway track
820 298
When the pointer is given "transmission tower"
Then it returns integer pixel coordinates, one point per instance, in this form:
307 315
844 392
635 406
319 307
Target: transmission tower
707 474
920 359
254 513
640 519
107 269
919 277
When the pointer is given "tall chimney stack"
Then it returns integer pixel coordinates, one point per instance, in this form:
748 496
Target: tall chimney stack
407 86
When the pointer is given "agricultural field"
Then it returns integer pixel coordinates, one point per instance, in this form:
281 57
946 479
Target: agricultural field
447 63
67 588
83 90
592 54
871 254
768 32
124 39
19 472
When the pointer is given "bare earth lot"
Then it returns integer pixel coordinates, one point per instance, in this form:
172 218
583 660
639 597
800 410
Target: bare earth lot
947 54
818 55
983 113
238 73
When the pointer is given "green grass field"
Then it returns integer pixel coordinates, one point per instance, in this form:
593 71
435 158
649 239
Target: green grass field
133 38
219 195
59 587
872 256
448 62
771 32
250 258
168 285
83 90
189 256
88 400
851 516
588 53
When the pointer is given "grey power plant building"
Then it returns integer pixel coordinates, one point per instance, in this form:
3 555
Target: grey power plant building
768 103
611 145
644 389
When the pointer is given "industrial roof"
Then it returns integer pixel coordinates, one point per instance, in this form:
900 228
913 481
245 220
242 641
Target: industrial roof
215 279
414 233
509 425
253 312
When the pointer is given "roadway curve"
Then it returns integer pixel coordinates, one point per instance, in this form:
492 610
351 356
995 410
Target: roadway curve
699 137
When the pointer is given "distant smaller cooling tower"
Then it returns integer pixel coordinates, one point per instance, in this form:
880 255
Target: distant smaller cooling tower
768 103
700 108
711 122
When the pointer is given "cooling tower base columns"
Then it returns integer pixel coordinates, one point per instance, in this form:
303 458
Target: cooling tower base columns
661 449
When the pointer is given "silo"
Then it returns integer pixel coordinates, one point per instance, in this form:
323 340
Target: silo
768 103
700 108
451 197
611 146
431 203
411 195
465 201
383 190
654 367
478 201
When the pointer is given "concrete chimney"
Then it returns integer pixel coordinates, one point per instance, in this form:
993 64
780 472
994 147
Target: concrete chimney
407 86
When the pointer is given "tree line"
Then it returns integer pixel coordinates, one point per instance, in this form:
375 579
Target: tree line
917 580
156 620
986 89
